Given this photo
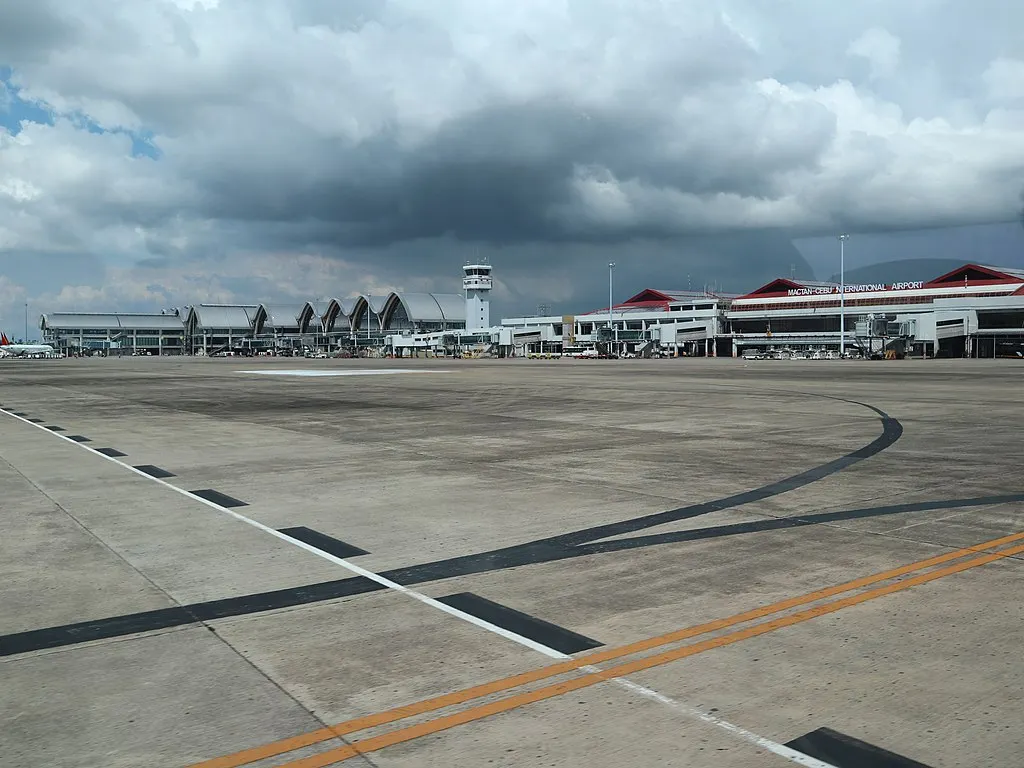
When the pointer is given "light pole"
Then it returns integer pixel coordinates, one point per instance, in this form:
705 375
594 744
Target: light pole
842 293
26 322
611 332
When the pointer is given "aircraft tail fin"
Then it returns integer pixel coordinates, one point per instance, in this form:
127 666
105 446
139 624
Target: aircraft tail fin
4 341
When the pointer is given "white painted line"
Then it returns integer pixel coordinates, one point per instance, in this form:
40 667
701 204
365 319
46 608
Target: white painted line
353 372
779 749
772 746
358 570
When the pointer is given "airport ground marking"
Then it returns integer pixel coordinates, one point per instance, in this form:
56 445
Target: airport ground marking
586 662
352 567
327 591
780 749
304 373
430 727
550 549
777 748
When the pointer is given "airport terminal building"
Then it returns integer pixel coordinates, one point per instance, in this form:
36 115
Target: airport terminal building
974 311
652 321
360 321
106 333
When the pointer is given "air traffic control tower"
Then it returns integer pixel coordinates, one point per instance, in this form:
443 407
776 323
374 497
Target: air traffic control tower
477 284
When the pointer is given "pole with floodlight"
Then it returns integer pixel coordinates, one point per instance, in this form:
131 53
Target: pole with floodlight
611 267
842 293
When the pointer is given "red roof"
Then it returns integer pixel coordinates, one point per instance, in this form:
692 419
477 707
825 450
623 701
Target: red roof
653 300
779 285
648 295
975 273
971 274
635 305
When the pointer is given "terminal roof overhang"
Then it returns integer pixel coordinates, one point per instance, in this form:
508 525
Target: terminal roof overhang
103 321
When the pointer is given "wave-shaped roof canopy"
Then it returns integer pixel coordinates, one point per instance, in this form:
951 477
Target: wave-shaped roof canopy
391 311
284 318
235 317
396 310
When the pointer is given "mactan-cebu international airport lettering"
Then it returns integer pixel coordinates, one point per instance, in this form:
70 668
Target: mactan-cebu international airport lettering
826 289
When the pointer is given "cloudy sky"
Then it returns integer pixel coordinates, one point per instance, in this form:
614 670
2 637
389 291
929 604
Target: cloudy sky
159 152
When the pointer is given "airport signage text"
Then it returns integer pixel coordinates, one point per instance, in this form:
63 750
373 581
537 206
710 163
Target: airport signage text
862 288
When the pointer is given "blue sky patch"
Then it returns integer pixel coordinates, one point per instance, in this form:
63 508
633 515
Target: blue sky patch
15 110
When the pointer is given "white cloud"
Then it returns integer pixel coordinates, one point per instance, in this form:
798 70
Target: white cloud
1004 79
238 277
10 293
880 48
368 132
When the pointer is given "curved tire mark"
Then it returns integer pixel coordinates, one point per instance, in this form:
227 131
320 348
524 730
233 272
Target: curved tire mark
567 545
543 550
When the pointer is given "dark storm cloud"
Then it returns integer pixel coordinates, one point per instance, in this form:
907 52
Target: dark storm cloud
75 267
491 175
28 30
496 175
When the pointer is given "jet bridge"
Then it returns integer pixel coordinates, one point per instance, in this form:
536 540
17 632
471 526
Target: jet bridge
884 336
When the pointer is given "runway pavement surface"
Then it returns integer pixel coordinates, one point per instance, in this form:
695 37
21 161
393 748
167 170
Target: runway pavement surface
679 562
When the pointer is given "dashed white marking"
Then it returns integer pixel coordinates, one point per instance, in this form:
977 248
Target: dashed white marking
358 570
353 372
779 749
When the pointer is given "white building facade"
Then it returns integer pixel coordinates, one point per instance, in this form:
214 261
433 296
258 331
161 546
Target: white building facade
652 322
972 311
113 333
